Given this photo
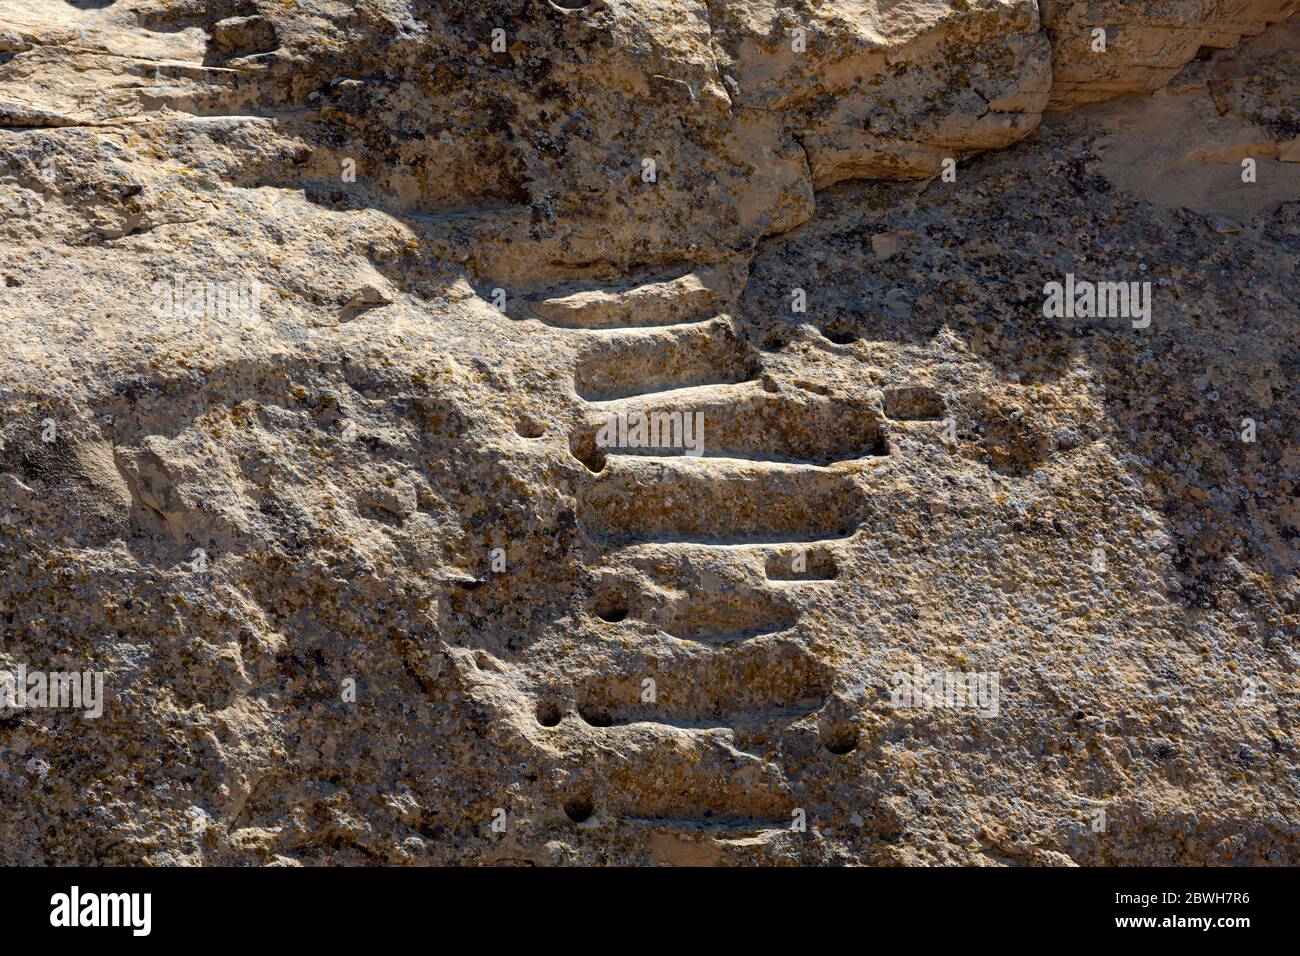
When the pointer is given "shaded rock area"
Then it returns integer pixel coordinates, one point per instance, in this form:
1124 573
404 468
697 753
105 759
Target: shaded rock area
528 432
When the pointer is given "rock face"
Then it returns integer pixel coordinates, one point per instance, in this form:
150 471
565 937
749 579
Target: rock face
547 432
1104 48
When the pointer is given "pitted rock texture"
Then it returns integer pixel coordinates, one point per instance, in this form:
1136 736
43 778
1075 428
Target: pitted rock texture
368 580
1142 45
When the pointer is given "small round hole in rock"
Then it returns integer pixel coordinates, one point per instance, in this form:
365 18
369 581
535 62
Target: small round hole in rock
611 606
839 738
582 445
578 808
529 428
548 713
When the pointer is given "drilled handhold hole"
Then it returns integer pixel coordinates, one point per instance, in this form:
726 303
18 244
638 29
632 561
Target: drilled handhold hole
582 445
529 428
548 713
839 737
610 606
578 808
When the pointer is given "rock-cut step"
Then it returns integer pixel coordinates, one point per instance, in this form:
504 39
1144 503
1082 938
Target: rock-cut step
718 501
623 364
693 297
695 777
728 615
773 682
744 421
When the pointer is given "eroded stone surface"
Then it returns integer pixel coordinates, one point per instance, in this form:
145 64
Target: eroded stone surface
1145 44
363 579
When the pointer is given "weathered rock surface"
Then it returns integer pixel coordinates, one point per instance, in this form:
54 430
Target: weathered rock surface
313 315
1143 44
